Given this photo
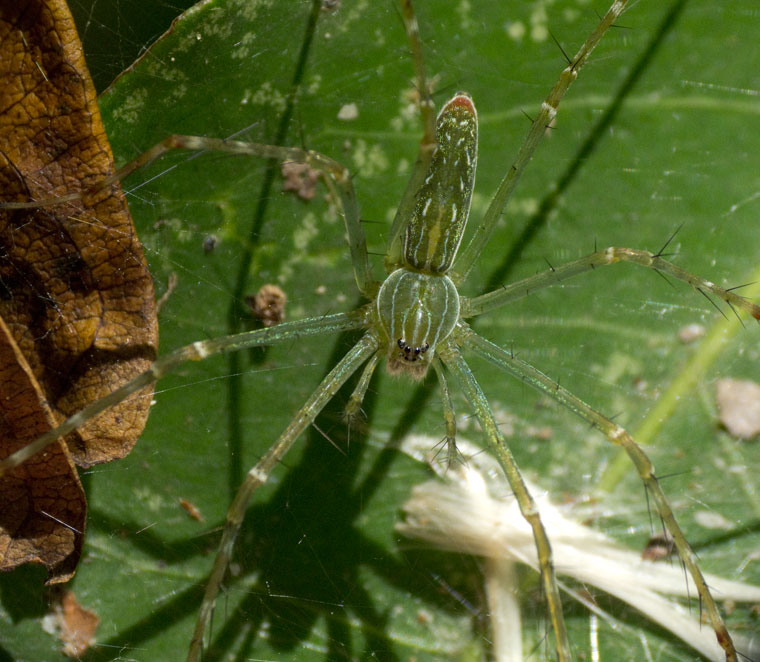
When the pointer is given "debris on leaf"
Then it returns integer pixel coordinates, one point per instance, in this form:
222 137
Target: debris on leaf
191 509
659 546
348 112
299 178
209 243
73 624
171 285
691 333
268 305
739 405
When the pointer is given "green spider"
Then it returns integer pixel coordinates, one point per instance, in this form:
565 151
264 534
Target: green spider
416 319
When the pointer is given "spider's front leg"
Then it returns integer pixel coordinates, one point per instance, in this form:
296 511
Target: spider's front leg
259 474
619 436
338 180
454 361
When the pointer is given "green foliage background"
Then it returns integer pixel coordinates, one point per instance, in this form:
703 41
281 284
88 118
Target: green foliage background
320 572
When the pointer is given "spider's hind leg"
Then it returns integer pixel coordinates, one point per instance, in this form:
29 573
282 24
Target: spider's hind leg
363 350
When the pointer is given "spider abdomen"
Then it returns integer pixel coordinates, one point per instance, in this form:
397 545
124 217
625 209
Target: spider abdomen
416 311
442 206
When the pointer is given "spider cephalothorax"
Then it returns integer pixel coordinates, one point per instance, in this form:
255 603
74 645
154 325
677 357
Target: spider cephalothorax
417 311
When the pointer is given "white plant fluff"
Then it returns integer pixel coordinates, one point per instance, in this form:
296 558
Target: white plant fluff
470 509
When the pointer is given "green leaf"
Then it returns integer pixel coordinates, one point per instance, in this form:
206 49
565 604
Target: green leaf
319 571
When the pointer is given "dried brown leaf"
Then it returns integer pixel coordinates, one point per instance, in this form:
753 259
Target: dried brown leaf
76 297
42 516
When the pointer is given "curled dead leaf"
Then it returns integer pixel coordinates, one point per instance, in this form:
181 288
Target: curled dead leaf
42 517
76 297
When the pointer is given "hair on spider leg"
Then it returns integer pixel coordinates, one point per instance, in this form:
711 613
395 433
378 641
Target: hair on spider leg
734 311
714 305
561 50
737 287
673 474
661 252
330 440
531 120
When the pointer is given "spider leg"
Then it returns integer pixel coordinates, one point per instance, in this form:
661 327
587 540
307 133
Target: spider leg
196 351
454 361
353 408
339 181
258 475
546 115
452 456
427 143
620 437
603 258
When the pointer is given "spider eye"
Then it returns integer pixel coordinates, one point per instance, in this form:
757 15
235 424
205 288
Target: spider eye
410 353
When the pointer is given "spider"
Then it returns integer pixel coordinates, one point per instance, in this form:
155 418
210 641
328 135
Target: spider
412 346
